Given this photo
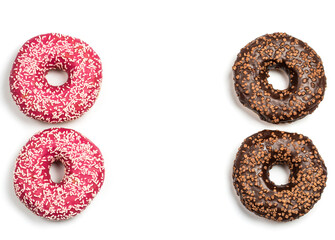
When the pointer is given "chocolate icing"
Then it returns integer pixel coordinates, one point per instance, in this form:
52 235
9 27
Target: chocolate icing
279 51
258 154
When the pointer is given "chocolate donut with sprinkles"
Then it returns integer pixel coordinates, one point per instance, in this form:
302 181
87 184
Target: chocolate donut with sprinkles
307 80
255 158
40 100
84 173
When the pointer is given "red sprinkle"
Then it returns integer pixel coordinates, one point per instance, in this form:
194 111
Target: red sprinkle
84 173
42 101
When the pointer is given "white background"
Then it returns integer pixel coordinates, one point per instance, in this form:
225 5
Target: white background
167 119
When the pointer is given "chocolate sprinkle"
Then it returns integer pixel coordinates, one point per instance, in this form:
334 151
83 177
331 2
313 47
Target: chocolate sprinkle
279 51
263 150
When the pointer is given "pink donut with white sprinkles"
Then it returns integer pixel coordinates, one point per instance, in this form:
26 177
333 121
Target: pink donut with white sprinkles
84 173
40 100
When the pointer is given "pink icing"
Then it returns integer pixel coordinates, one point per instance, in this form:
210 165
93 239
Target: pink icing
40 100
84 173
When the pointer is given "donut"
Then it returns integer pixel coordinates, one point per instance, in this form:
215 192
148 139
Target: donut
307 80
255 158
42 101
84 173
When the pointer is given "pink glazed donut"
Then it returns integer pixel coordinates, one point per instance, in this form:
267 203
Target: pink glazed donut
42 101
84 173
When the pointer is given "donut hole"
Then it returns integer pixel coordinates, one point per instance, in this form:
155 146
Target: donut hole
279 174
57 171
56 77
279 79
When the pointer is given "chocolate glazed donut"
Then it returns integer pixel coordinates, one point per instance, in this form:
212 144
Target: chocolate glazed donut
279 51
258 154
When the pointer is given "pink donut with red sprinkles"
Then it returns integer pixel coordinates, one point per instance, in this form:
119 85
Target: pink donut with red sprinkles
40 100
84 173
